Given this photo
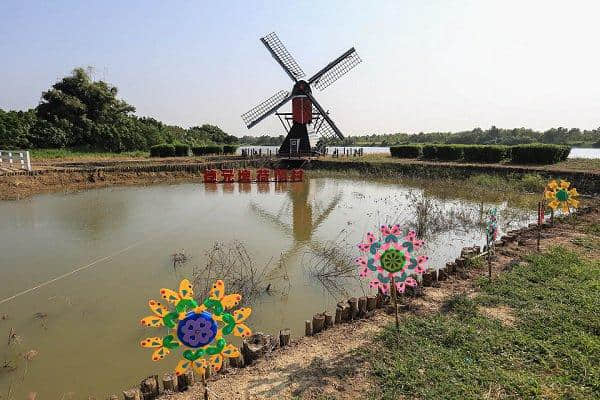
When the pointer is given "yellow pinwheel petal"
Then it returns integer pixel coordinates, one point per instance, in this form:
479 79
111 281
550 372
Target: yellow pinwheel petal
216 362
565 207
231 300
158 308
230 351
182 367
242 330
552 184
573 203
160 354
553 204
200 366
573 192
242 314
218 290
549 195
170 295
185 289
151 342
152 321
564 184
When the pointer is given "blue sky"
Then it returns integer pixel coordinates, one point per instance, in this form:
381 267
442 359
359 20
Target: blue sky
427 65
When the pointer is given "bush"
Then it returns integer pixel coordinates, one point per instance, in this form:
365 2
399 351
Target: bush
182 150
429 151
539 153
449 152
162 150
485 154
229 149
406 151
210 149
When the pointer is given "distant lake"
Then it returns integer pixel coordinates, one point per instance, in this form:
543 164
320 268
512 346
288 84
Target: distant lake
576 152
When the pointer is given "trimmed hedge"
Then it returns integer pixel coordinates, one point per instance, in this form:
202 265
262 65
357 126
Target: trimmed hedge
162 150
406 151
182 150
229 149
485 153
204 150
539 153
429 151
449 152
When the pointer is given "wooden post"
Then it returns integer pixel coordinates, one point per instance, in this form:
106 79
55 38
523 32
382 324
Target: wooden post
395 300
169 382
338 315
237 362
362 306
328 320
132 394
284 337
380 298
149 388
318 323
371 303
308 331
353 302
185 380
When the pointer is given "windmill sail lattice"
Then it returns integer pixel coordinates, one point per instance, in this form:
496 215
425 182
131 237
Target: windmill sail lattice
336 69
265 108
282 56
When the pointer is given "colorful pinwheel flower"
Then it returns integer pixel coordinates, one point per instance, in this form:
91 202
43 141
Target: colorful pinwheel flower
391 256
559 194
491 226
199 328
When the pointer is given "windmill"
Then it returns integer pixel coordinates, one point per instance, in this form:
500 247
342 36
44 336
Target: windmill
308 121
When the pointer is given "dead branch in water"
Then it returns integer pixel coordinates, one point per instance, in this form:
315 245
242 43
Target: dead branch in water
331 263
232 263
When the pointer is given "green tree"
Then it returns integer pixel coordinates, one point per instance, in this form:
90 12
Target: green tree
96 117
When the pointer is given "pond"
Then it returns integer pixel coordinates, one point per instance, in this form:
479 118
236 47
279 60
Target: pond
576 152
100 255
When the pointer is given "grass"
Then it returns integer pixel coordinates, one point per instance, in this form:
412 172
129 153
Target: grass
579 164
551 351
50 154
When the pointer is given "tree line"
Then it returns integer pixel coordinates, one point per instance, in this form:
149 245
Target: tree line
493 135
78 112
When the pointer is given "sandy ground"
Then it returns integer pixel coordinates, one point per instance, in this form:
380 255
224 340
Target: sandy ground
328 365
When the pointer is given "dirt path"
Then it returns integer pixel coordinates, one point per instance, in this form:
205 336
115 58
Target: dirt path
331 365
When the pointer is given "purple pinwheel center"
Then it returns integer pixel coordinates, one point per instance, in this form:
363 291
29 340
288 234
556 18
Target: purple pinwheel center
197 329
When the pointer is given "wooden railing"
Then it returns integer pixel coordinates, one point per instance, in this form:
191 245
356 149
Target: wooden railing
15 159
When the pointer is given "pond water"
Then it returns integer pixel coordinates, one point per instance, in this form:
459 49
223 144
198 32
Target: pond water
105 252
576 152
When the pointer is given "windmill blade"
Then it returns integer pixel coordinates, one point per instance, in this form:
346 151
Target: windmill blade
266 108
335 69
282 56
328 126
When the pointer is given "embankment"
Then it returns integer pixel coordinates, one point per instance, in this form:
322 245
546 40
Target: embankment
585 182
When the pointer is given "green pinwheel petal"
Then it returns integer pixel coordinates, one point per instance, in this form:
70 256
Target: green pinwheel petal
193 355
214 306
168 342
170 318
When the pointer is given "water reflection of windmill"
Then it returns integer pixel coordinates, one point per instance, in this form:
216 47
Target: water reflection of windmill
306 218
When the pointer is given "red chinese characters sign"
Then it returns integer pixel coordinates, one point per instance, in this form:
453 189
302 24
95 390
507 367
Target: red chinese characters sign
260 175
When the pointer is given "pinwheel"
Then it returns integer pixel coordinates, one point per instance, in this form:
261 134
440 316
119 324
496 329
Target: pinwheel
199 329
